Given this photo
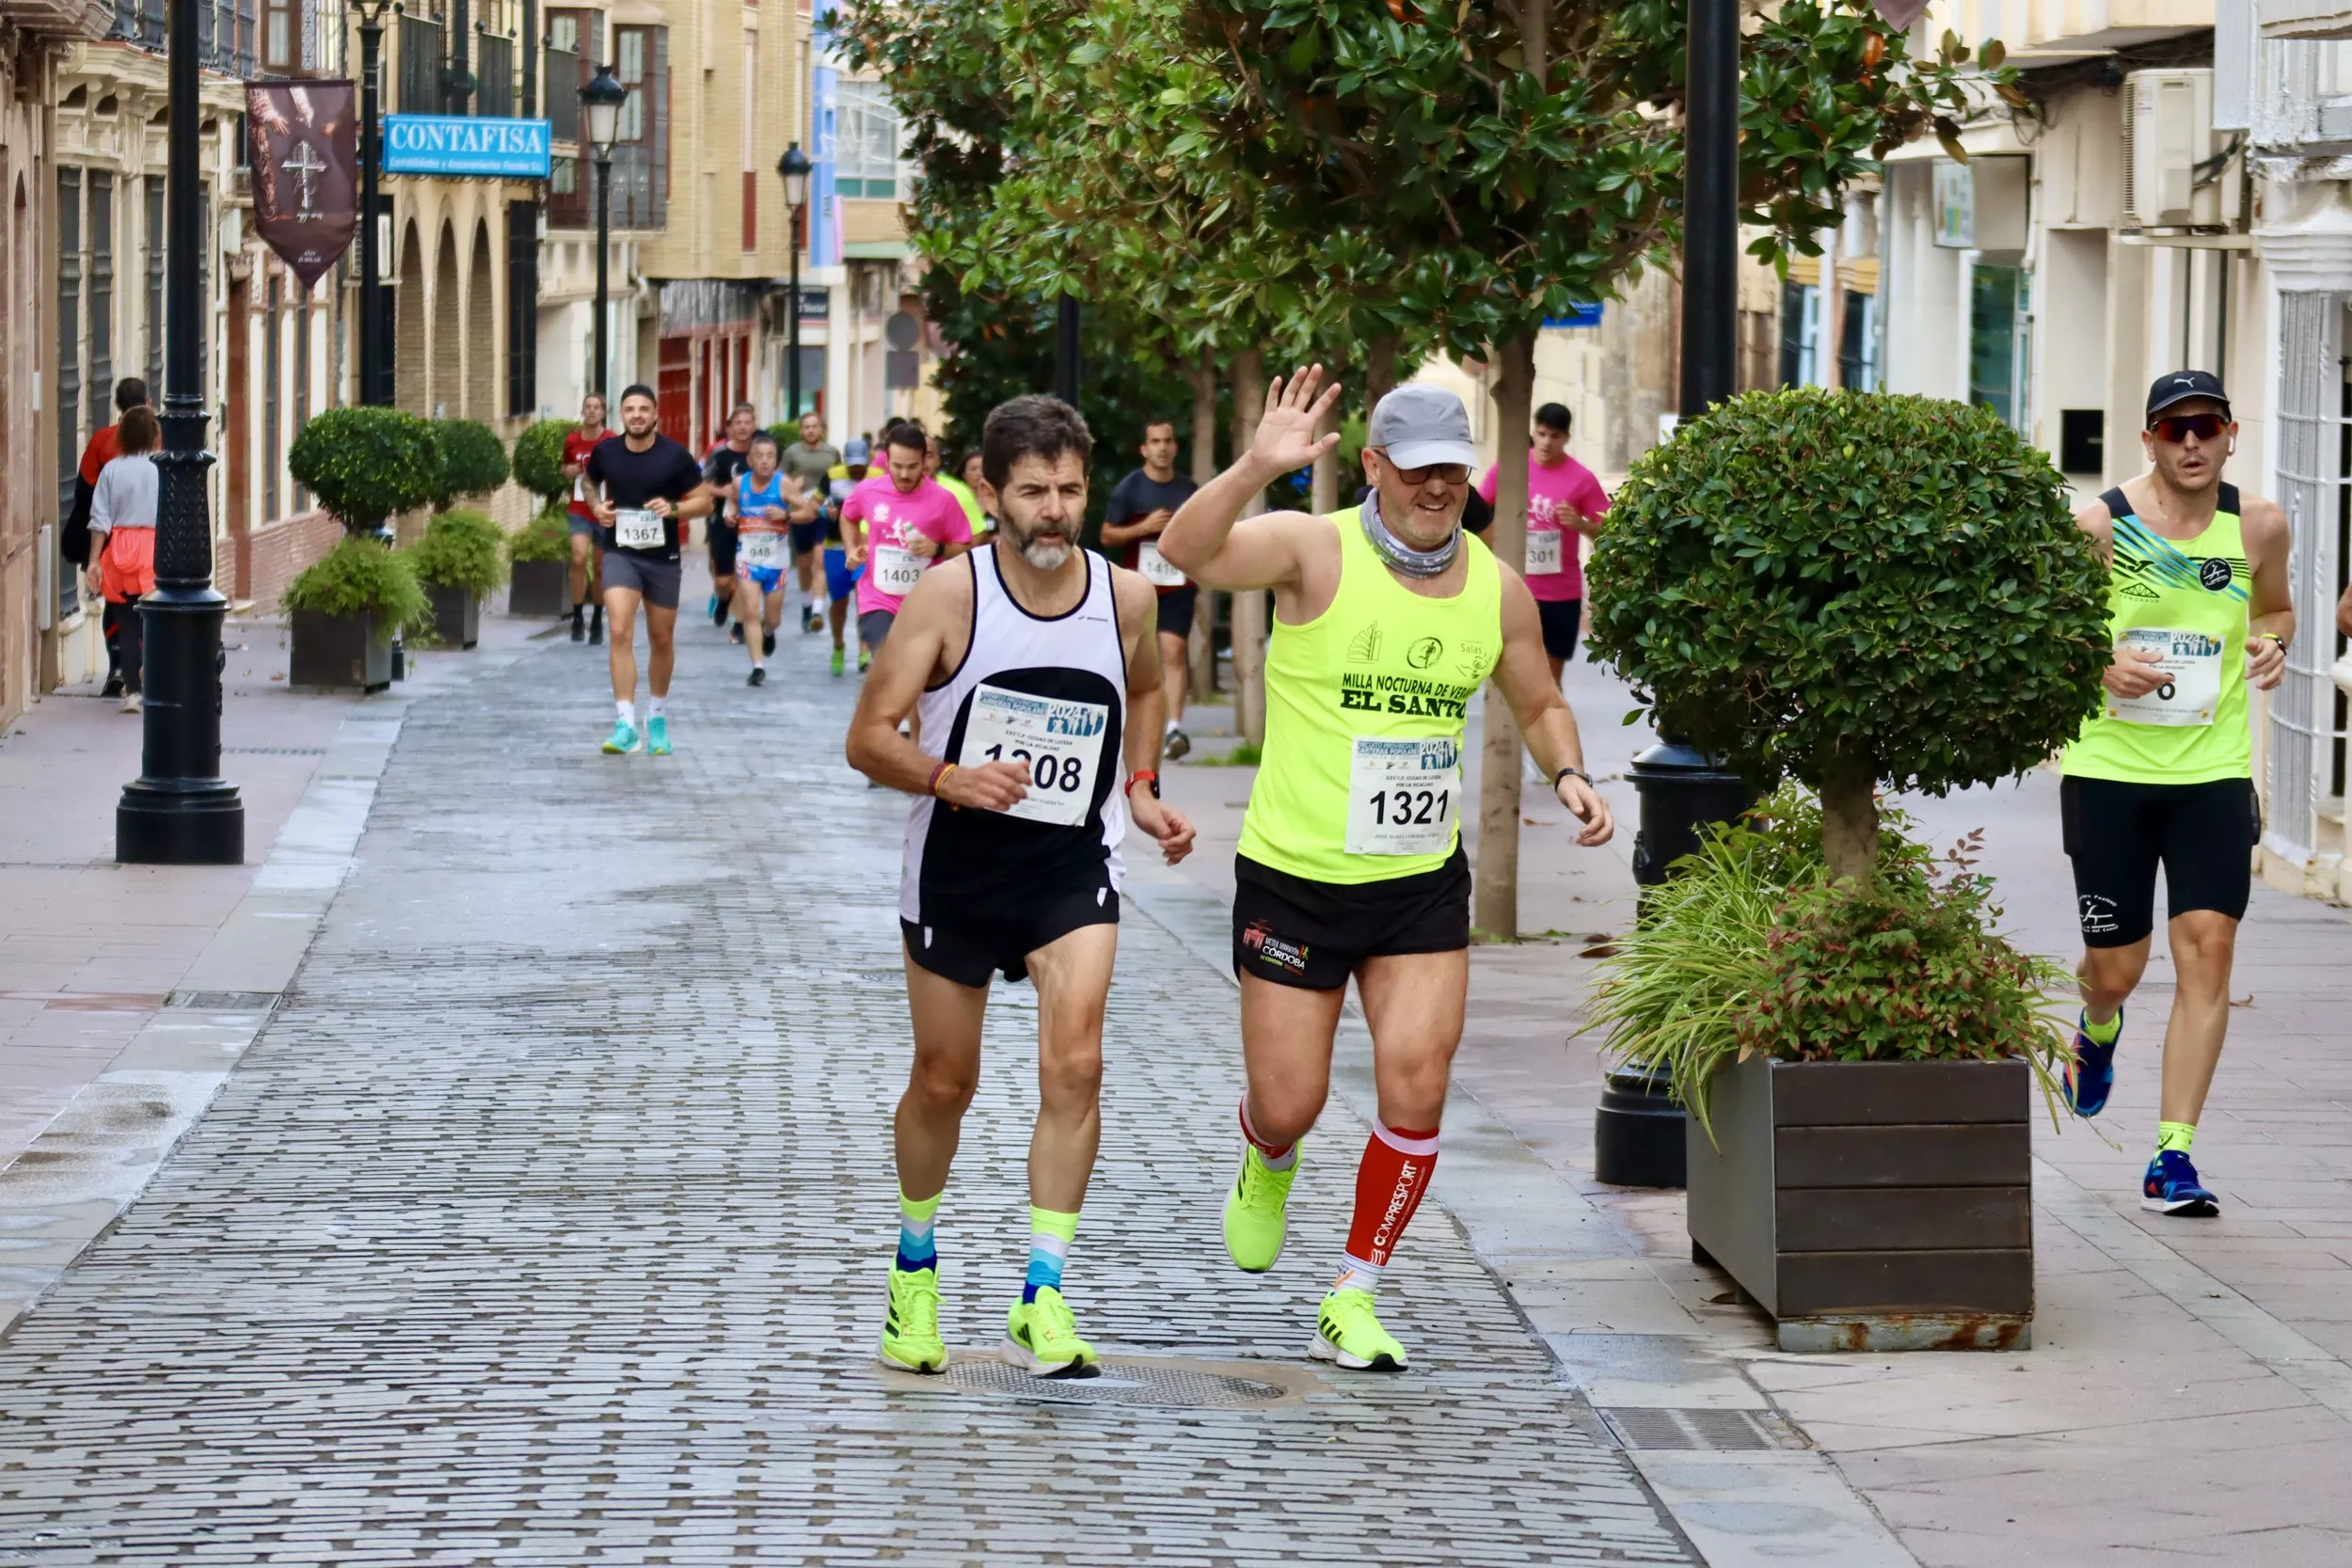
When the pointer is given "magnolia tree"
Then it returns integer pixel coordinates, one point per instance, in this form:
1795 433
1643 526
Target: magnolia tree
1858 588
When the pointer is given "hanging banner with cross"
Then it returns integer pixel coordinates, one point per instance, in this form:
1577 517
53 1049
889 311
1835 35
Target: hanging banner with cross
302 141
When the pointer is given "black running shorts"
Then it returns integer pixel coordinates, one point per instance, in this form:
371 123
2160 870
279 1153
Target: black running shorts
2118 833
723 537
807 538
972 950
1313 935
1562 620
1176 607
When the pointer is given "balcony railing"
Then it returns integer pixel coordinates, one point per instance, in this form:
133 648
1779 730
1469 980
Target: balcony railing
420 84
494 76
224 32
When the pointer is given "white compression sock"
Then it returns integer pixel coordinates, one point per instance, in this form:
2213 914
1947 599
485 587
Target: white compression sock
657 708
628 713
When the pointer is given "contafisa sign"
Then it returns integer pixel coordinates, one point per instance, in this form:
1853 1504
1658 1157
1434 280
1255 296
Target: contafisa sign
466 144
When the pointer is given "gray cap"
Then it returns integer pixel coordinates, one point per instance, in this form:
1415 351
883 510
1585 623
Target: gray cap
1419 424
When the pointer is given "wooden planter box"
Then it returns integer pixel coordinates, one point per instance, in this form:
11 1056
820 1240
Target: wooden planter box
1872 1206
340 651
537 588
456 615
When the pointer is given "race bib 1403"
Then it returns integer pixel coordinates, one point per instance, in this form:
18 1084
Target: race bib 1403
1058 740
897 570
2190 663
636 528
1402 796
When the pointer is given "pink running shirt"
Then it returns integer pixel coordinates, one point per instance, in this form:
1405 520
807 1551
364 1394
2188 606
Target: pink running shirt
891 517
1567 488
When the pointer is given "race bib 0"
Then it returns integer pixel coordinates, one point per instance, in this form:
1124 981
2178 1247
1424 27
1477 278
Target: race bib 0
762 551
635 529
1058 741
1543 552
1402 796
2190 663
897 570
1155 567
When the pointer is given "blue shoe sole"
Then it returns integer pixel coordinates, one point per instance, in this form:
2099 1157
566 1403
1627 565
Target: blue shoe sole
2203 1208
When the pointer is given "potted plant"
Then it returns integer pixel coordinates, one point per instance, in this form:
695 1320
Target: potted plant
346 608
364 465
473 461
541 554
457 562
1857 591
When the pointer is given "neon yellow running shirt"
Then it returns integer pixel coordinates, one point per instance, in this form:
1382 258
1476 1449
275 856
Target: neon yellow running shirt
1362 776
2186 600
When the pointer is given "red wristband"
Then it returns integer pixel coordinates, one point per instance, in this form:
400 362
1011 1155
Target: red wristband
1143 775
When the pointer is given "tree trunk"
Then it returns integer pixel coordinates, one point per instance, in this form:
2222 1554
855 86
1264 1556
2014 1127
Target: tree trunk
1201 652
1251 610
1324 489
1850 819
1497 883
1379 372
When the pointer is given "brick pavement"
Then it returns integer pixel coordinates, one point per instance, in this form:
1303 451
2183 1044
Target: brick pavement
545 1222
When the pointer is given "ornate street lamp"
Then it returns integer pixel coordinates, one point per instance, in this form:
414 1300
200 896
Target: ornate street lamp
180 811
602 99
374 384
794 167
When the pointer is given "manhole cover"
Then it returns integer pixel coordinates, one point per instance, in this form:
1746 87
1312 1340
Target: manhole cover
1642 1427
1169 1385
224 1001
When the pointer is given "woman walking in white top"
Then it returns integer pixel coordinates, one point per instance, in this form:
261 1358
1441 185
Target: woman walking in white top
122 545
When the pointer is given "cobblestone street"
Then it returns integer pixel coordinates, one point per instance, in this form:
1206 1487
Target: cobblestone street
545 1219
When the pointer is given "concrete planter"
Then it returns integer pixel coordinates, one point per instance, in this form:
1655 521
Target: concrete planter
341 651
1872 1206
456 615
537 588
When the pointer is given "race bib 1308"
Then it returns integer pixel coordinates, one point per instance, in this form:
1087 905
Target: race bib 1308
1058 741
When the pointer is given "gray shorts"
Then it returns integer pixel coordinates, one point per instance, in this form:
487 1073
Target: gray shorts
873 627
656 581
582 525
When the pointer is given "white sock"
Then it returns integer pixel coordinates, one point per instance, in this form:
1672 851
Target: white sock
1171 727
628 713
1356 1275
657 708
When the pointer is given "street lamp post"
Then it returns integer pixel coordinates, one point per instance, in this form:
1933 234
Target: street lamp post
1066 363
602 98
793 166
373 359
180 811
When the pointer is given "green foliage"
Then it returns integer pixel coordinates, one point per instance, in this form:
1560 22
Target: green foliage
366 464
473 461
460 549
546 537
1751 949
539 459
363 576
1806 579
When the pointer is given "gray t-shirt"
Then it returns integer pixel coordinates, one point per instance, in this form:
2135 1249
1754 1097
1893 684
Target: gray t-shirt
125 493
811 463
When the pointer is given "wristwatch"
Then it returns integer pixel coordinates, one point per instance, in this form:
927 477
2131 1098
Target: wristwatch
1143 775
1565 773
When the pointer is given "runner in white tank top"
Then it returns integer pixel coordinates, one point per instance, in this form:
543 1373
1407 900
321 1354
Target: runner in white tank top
1036 671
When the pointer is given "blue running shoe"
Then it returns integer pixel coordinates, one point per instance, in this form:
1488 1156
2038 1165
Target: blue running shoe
2170 1187
624 738
658 735
2091 1075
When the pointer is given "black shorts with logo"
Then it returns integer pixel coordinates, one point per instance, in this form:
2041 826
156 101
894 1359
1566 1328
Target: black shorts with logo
2118 832
1176 607
1296 931
970 952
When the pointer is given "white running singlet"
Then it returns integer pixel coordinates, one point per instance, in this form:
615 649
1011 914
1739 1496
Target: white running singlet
1052 695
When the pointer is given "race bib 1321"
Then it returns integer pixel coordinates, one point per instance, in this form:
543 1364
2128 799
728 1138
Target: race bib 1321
1402 796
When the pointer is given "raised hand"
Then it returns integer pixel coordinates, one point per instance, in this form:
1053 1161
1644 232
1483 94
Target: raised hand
1286 437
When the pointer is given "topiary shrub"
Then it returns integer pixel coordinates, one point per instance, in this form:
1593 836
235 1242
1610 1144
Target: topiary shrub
363 576
546 537
460 549
473 461
1855 588
539 459
366 464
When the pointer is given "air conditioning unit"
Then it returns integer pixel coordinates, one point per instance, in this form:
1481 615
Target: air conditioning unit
2177 174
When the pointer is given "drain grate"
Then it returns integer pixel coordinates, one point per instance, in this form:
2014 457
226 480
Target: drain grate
1164 1384
1653 1427
273 750
224 1001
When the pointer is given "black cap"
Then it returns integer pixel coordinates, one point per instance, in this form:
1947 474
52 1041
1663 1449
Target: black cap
2181 385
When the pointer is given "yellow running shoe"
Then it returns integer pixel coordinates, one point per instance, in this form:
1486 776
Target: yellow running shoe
1348 1332
1042 1336
1256 1211
910 1333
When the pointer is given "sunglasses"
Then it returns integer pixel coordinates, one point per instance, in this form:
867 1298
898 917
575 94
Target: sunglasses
2174 429
1452 473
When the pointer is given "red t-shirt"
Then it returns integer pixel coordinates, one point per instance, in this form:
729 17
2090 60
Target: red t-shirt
576 449
105 445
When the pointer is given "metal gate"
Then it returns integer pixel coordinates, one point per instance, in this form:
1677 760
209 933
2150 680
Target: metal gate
2313 428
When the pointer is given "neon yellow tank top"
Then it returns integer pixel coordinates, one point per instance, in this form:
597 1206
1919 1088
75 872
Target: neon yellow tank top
1362 776
2187 601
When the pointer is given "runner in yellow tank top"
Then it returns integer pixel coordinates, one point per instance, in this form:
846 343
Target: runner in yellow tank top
1386 620
2164 773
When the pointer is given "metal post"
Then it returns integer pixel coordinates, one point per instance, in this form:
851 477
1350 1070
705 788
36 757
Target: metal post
371 346
1066 350
1710 208
604 246
792 331
180 811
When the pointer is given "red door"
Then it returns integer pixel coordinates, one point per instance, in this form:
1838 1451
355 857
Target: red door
677 391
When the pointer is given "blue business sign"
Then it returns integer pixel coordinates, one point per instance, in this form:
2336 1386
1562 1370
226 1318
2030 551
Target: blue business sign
466 145
1578 315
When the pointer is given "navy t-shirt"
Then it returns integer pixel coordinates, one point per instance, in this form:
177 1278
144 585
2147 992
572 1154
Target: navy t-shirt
630 478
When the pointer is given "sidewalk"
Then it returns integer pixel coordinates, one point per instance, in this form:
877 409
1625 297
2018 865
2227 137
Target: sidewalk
2187 1398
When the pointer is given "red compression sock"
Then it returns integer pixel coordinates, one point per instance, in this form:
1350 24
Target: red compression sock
1389 1183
